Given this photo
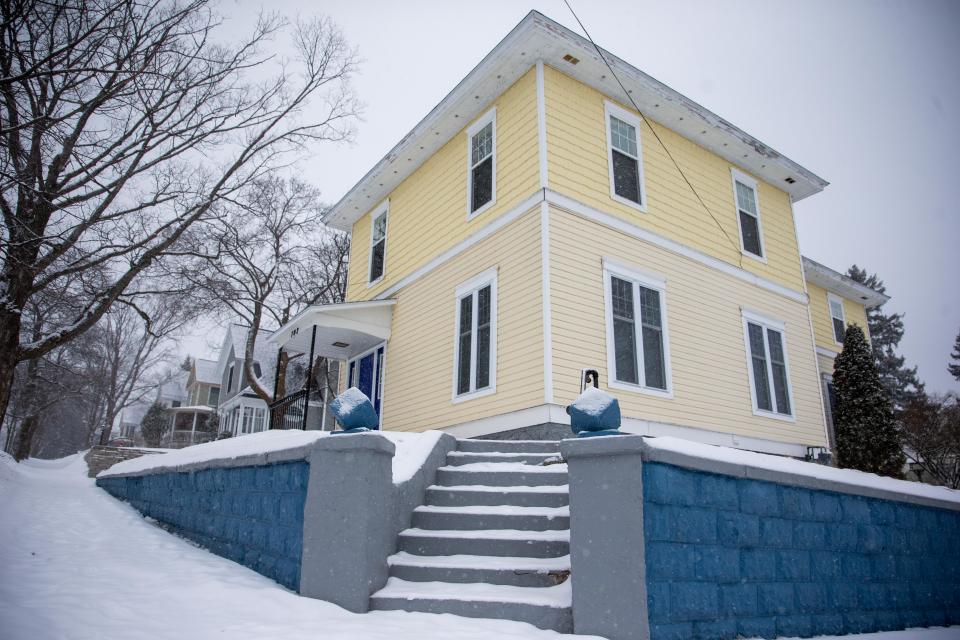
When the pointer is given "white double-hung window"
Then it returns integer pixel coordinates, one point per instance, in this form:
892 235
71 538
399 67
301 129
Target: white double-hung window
837 318
482 163
638 357
475 364
767 363
378 242
625 158
748 214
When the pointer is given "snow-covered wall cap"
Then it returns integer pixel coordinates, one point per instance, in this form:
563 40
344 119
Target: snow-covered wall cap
270 447
769 468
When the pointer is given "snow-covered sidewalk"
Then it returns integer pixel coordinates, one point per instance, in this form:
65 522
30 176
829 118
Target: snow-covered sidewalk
75 563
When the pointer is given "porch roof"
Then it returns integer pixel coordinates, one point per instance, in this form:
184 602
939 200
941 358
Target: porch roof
343 330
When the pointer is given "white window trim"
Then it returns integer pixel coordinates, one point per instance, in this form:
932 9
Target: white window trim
611 109
490 117
738 176
383 209
766 322
488 277
832 297
650 281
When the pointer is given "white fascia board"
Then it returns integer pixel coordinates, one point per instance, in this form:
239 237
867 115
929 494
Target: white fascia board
539 39
840 284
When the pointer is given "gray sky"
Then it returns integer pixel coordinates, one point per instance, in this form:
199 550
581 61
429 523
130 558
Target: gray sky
865 94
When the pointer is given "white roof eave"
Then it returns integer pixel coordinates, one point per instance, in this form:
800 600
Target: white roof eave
536 38
840 284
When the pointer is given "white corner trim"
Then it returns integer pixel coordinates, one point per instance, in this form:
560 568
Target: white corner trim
618 112
484 232
542 126
545 293
739 176
381 209
490 117
585 211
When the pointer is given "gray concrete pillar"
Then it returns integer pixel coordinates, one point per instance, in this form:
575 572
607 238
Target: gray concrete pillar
347 528
606 536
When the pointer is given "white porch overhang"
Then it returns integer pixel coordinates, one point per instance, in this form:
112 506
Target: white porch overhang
342 330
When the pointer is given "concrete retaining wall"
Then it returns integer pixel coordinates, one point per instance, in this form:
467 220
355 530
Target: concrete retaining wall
708 550
320 519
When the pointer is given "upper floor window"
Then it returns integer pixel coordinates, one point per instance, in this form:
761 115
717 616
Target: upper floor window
837 318
378 243
230 378
637 355
767 363
625 157
748 214
214 397
476 348
482 163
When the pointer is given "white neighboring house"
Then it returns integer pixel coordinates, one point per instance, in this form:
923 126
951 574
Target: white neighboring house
191 415
241 410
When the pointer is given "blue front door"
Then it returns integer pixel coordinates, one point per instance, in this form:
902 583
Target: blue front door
366 374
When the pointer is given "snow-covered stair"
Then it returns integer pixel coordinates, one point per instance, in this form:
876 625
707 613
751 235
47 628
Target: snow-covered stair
492 540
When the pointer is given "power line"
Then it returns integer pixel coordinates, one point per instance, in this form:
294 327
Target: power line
736 247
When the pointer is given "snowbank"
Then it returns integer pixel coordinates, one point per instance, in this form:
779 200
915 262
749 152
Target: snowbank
779 464
78 564
412 451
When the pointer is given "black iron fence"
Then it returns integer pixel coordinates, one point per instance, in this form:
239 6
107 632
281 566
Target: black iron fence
290 412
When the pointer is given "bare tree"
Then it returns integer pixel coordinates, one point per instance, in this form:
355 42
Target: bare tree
931 435
133 341
123 123
273 259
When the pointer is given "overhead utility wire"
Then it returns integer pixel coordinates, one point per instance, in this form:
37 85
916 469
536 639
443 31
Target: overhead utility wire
650 126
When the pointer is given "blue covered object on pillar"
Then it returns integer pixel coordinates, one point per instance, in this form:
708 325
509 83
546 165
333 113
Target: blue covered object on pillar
594 413
354 411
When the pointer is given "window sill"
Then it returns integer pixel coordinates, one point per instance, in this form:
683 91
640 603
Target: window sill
479 393
373 283
635 388
473 214
773 415
642 208
753 256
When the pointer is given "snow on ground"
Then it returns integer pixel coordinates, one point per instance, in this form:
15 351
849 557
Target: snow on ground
849 477
412 450
75 563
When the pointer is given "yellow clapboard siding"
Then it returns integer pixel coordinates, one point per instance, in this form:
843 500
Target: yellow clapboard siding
428 210
421 351
853 312
707 352
825 363
578 167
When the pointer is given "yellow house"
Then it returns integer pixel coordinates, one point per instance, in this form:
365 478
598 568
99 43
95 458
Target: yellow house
836 301
534 226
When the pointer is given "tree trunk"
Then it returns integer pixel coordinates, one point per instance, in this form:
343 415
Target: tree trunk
31 403
9 345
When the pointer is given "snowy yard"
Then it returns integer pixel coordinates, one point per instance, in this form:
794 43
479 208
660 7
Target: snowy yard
75 563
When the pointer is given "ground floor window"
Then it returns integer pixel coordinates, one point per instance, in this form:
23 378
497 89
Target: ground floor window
767 363
476 336
637 346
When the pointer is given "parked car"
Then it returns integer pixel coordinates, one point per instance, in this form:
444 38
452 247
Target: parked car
120 442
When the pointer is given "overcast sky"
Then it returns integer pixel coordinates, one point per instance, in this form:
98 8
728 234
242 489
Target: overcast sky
865 94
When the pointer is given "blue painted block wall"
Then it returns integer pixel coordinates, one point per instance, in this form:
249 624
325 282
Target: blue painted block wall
729 557
251 515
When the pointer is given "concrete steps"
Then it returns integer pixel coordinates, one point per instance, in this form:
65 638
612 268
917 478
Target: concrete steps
491 541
